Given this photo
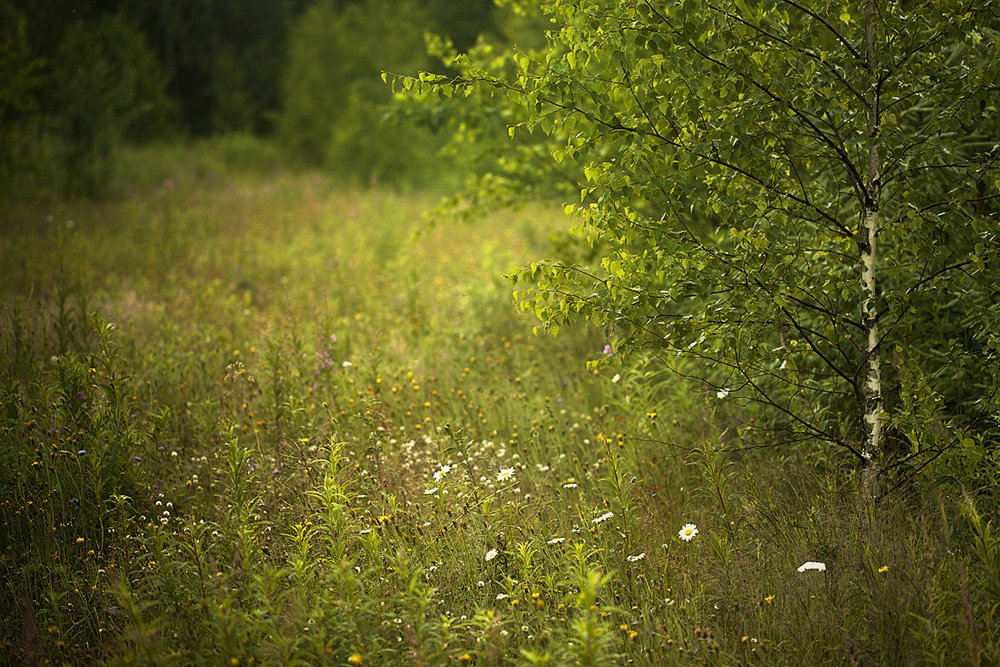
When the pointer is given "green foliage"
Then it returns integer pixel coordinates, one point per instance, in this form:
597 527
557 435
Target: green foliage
83 76
335 110
503 166
224 58
73 95
227 59
726 160
21 81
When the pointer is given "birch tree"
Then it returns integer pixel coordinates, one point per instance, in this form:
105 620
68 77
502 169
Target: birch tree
799 197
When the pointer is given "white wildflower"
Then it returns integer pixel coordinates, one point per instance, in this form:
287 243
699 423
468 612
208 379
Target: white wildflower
687 532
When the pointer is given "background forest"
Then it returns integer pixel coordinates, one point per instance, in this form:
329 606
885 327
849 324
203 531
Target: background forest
83 78
470 332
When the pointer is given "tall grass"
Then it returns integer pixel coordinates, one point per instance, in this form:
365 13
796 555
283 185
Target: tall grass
249 417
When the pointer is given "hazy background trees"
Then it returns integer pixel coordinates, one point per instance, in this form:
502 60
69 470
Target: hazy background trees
80 77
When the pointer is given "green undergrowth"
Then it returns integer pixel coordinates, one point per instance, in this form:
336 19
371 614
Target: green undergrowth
250 418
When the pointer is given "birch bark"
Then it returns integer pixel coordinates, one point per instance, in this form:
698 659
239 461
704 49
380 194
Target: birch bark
868 243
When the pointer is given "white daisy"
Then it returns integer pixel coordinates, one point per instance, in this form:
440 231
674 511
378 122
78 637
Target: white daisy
445 469
687 532
504 474
556 540
604 517
491 554
633 559
430 492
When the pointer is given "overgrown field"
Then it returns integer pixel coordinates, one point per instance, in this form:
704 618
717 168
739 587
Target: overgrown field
252 418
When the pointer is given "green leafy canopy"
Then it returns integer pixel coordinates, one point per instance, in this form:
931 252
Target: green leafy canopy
723 156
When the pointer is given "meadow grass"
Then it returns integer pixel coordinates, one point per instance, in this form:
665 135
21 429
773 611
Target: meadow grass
249 417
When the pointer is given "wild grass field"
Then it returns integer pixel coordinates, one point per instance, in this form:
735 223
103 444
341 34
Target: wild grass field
251 417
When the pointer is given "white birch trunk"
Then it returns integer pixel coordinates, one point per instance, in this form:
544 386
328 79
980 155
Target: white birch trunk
872 391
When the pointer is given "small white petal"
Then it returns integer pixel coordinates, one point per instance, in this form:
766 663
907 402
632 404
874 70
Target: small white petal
812 565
